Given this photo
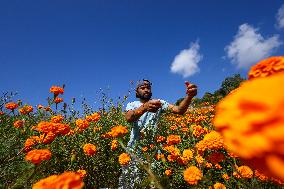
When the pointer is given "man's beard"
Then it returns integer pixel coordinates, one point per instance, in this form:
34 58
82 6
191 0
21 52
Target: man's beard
144 97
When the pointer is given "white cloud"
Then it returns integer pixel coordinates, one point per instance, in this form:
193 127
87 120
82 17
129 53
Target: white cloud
186 62
280 17
249 46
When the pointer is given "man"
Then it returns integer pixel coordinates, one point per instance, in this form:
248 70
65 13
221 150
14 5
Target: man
147 111
144 114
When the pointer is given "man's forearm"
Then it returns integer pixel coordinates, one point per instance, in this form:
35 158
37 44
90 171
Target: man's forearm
184 104
134 115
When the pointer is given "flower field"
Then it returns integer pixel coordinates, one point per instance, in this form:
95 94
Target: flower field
236 143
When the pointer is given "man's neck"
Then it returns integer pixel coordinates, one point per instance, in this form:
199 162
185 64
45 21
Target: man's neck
144 100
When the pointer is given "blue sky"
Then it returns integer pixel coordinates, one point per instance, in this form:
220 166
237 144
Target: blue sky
93 45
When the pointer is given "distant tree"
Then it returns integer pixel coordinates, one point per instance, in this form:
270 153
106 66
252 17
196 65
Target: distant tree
231 83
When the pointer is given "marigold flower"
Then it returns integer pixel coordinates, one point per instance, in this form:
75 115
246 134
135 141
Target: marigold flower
219 186
1 113
37 156
173 139
67 180
47 138
212 141
225 176
144 149
57 100
82 173
124 159
94 117
251 121
40 106
18 123
57 119
187 154
56 90
90 149
267 67
47 108
11 105
260 176
160 156
199 159
192 175
182 160
168 172
114 144
198 130
33 140
243 172
160 139
82 124
117 131
216 157
26 109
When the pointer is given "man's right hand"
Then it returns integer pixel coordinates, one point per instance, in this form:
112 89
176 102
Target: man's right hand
152 105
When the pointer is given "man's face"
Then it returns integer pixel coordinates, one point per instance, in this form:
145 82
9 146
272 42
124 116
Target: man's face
144 92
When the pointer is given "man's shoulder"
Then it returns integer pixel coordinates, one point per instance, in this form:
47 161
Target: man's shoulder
134 104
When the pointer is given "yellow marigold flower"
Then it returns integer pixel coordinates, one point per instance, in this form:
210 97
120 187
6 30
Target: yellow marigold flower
192 175
251 122
199 159
168 172
57 119
187 154
117 131
173 139
90 149
124 159
94 117
26 109
11 105
82 173
67 180
114 144
56 90
82 124
267 67
243 172
18 123
219 186
37 156
57 100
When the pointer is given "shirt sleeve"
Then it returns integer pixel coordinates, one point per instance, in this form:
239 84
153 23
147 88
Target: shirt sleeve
165 105
129 106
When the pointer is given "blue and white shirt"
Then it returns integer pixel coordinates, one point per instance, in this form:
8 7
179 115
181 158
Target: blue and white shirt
148 118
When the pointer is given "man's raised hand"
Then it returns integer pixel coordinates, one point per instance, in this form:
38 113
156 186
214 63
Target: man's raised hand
191 89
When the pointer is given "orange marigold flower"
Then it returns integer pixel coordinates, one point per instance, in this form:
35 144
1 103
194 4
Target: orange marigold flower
47 138
192 175
40 106
90 149
57 119
11 105
198 130
57 100
260 176
173 139
37 156
33 140
160 156
251 121
1 113
267 67
216 157
117 131
225 176
18 123
47 108
208 165
168 172
67 180
56 90
212 141
82 173
124 159
199 159
94 117
26 109
182 160
114 144
160 139
144 149
82 124
219 186
243 172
